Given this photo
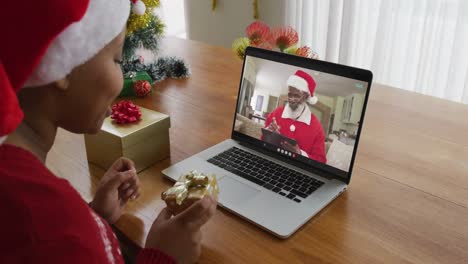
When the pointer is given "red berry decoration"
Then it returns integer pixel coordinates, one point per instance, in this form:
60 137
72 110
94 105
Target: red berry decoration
125 112
142 88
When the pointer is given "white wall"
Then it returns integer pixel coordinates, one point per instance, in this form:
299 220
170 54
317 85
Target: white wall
265 93
265 88
327 100
250 70
337 123
229 20
172 14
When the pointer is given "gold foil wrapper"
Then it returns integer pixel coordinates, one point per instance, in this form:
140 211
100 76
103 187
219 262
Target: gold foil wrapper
190 188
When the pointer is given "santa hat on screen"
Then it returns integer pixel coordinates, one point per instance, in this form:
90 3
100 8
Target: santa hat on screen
304 82
43 41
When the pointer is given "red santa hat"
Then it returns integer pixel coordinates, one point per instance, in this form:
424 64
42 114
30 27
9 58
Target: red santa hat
302 81
43 41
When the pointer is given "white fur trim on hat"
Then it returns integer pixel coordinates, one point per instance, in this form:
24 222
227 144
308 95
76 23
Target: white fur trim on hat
102 22
298 83
312 100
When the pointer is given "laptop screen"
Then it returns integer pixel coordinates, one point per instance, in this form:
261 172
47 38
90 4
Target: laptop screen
301 112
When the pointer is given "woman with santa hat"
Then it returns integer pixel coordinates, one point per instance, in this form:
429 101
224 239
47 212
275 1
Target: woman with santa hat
59 67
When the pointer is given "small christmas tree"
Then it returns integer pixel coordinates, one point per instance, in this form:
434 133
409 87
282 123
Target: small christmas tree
144 31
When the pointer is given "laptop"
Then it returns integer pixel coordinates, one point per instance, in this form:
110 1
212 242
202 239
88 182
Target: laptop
276 186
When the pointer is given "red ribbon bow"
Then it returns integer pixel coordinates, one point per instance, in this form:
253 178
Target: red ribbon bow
125 112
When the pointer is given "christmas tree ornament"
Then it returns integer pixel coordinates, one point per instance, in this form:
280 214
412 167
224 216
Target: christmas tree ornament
144 34
144 21
125 112
142 88
138 7
130 78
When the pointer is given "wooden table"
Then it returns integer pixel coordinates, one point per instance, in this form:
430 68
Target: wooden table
408 198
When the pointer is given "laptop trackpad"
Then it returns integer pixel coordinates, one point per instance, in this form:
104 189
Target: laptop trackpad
233 191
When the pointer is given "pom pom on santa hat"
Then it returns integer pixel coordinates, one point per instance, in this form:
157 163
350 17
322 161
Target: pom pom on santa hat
65 39
304 82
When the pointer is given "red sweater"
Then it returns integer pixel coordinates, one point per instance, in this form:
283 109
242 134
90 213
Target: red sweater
44 220
310 138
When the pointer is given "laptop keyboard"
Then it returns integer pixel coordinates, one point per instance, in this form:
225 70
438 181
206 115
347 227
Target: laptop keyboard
279 179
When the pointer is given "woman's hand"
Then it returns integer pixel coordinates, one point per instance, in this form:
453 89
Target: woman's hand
119 184
180 236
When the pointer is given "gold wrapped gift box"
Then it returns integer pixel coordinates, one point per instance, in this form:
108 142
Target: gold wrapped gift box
190 188
145 142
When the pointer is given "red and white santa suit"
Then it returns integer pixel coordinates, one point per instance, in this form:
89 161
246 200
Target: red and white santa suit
301 124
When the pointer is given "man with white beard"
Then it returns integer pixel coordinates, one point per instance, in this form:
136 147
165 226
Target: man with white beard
296 121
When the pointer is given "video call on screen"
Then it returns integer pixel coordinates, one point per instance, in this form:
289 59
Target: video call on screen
324 131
